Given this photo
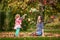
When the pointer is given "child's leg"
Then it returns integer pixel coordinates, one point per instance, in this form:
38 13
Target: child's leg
17 32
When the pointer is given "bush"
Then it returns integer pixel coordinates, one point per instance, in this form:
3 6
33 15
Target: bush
2 18
52 25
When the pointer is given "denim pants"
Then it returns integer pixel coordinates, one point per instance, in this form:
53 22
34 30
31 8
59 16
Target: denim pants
38 33
17 32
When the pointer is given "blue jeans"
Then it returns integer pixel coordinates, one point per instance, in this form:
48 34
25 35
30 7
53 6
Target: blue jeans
39 33
17 32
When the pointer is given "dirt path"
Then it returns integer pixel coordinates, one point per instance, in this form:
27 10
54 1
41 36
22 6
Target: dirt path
27 34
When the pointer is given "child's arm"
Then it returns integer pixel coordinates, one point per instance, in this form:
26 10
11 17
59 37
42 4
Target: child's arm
42 32
23 17
42 29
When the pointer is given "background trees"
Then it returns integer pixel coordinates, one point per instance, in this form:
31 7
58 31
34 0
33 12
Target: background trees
33 8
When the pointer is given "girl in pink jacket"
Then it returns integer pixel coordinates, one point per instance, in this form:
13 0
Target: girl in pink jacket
18 22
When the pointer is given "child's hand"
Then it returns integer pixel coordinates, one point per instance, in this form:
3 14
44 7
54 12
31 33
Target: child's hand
20 27
24 16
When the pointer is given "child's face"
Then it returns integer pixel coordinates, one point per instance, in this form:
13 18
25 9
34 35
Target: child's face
39 17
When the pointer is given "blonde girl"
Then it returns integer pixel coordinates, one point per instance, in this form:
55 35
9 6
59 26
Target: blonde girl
18 22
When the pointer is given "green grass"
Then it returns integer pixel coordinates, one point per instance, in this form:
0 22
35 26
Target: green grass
45 30
32 38
52 31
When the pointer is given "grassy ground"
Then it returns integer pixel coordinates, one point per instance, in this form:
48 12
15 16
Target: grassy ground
32 38
37 38
46 30
52 31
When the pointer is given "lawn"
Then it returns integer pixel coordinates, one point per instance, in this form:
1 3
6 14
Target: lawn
46 30
32 38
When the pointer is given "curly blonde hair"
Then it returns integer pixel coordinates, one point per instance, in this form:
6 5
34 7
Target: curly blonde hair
17 15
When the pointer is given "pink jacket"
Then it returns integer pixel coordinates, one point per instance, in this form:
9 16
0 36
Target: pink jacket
18 23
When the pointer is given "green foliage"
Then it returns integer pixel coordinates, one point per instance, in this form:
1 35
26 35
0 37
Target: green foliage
10 8
52 26
2 17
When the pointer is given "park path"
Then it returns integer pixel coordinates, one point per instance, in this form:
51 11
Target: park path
26 34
